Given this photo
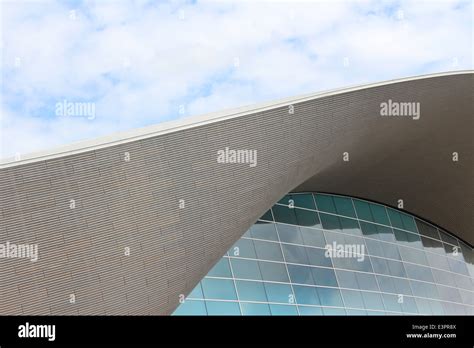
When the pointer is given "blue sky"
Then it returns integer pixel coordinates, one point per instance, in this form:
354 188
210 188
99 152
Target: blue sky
144 62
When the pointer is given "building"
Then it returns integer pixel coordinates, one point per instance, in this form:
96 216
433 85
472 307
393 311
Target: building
131 223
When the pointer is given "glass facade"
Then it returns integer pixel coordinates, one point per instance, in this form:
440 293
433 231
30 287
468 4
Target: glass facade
319 254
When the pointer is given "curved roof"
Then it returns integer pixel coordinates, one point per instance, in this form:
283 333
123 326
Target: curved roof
179 210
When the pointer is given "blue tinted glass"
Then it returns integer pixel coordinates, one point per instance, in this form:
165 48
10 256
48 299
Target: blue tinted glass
281 293
307 310
246 269
268 251
255 309
304 201
330 222
385 233
317 257
366 281
251 291
334 311
427 230
325 203
222 308
300 274
283 310
424 289
391 303
372 300
307 218
330 297
408 238
313 237
369 230
273 271
264 231
352 298
191 308
408 223
413 255
408 305
347 279
197 292
324 276
295 254
379 214
283 213
306 295
356 264
363 210
221 269
344 206
267 216
395 218
221 289
350 226
289 234
243 248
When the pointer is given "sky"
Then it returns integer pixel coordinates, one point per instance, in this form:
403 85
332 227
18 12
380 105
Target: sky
76 70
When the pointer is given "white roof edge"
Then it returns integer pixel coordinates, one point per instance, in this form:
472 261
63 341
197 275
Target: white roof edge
185 123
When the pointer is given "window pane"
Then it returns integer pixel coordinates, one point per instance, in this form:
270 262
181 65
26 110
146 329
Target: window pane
424 289
273 271
366 281
385 233
363 210
324 276
306 310
300 274
369 230
317 257
325 203
264 231
267 216
222 308
408 223
304 200
313 237
289 234
221 269
372 300
283 310
408 239
344 206
295 254
432 245
347 279
243 248
268 251
279 293
306 295
251 291
413 255
307 218
197 292
352 298
330 297
191 308
334 311
246 269
330 222
221 289
255 309
284 214
395 218
353 263
379 214
418 272
350 226
427 230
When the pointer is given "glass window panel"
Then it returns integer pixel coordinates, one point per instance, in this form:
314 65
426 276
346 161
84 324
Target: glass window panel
458 267
243 248
307 310
306 295
344 206
395 218
408 223
432 245
289 234
391 303
452 251
285 200
438 261
221 269
333 237
324 276
369 230
255 309
426 230
374 247
463 282
418 272
295 254
251 291
197 292
281 293
313 237
220 289
413 255
246 269
317 257
408 239
330 297
330 222
334 311
423 306
449 294
284 214
355 312
372 300
443 277
307 218
347 279
445 237
352 298
363 210
191 308
264 231
396 268
380 265
283 310
300 274
385 233
325 203
273 271
424 289
268 251
390 251
222 308
353 263
366 281
408 305
267 216
350 226
379 214
304 201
